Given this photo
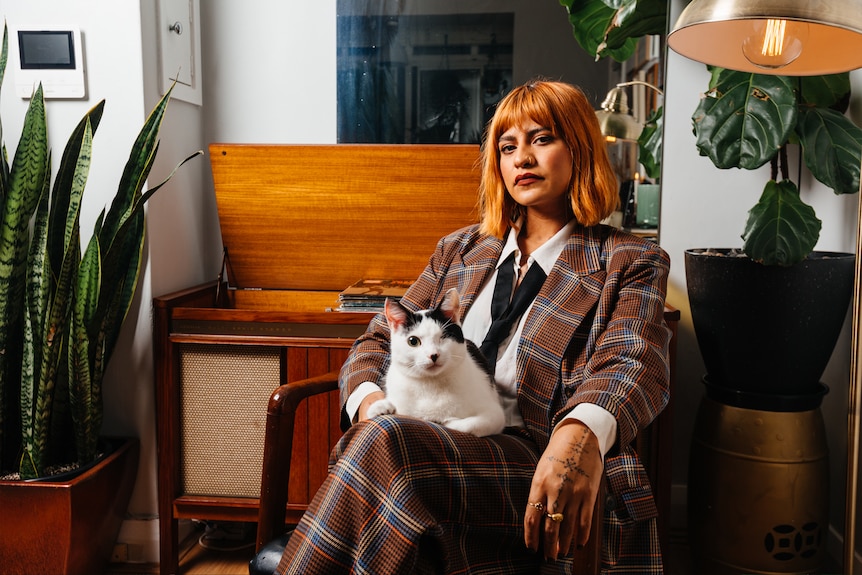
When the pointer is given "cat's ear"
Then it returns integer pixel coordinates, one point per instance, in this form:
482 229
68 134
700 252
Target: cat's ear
395 313
451 305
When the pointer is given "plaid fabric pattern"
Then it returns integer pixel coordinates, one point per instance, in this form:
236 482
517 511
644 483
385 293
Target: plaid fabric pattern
420 497
398 494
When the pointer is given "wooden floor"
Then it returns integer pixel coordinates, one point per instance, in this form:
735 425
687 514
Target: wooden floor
198 556
197 560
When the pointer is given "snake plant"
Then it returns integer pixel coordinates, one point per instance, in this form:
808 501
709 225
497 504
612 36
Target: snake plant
61 310
747 120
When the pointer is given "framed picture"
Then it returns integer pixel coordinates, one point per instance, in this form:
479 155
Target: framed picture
420 78
449 107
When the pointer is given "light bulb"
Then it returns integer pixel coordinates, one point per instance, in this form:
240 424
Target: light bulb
774 43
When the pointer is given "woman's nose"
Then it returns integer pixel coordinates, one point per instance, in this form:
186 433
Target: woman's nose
523 159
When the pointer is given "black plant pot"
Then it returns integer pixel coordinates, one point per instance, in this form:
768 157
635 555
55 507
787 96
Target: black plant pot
767 329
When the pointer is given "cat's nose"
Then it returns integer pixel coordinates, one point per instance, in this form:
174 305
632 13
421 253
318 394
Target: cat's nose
433 357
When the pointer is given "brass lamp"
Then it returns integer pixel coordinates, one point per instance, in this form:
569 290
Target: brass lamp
615 118
621 133
785 37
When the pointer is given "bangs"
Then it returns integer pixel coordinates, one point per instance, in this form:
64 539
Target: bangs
522 106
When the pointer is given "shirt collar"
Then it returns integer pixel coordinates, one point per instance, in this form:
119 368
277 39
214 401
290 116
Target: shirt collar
545 255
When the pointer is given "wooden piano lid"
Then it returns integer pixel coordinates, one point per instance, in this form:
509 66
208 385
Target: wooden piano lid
320 217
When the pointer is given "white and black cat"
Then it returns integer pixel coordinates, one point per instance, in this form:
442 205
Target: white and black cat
435 373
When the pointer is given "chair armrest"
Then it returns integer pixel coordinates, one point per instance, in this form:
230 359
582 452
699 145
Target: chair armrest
278 448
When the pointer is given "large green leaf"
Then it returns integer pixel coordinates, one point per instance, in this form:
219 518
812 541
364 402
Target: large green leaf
634 19
121 243
69 187
135 174
832 148
612 27
781 228
591 21
28 178
829 91
745 120
34 402
118 251
4 169
49 290
86 401
649 145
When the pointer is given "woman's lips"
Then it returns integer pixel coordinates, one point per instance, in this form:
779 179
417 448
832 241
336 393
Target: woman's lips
525 179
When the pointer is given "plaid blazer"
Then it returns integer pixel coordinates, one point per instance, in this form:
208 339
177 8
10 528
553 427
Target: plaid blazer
595 334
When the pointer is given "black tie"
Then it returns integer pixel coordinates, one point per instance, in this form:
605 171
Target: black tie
503 313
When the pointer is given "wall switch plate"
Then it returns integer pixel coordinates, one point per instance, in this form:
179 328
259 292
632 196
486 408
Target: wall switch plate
180 49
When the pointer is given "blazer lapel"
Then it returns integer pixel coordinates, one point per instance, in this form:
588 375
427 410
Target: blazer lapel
563 311
481 262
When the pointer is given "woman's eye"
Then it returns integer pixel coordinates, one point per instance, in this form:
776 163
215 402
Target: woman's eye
506 149
414 341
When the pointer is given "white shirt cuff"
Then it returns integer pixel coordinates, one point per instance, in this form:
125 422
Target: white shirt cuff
365 389
599 420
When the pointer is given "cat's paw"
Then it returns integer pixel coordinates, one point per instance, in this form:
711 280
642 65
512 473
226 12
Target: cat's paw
380 407
476 426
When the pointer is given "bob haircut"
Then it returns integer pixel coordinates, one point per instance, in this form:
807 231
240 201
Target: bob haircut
564 110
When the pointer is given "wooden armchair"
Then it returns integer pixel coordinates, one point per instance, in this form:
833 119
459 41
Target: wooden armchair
653 446
277 452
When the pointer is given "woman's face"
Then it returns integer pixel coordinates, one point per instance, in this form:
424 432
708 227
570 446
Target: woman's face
536 167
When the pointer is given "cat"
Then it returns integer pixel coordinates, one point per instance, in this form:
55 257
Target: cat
435 373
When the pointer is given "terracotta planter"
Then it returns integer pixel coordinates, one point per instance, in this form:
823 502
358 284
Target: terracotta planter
67 527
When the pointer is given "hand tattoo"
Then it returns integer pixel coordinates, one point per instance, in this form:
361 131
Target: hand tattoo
577 449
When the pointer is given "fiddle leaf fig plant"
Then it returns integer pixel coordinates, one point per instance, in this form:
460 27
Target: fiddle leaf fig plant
61 311
649 144
613 28
748 120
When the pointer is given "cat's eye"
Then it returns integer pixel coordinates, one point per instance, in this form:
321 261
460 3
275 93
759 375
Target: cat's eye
414 341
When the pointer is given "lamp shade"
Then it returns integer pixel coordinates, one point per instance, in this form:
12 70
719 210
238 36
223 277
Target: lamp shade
614 118
784 37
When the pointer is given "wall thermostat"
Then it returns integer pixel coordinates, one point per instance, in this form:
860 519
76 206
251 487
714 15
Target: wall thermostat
54 58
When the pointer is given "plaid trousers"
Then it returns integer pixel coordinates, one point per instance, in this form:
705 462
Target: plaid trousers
408 496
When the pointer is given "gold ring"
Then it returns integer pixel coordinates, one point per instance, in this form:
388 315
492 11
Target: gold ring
538 506
555 517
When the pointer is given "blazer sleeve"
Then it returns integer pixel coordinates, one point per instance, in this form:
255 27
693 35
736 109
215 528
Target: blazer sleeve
627 369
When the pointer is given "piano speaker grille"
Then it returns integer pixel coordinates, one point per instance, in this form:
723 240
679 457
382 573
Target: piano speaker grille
224 391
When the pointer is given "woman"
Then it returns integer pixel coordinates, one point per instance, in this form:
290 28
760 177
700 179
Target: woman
580 373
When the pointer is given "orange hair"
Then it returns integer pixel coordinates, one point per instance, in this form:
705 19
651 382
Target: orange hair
564 110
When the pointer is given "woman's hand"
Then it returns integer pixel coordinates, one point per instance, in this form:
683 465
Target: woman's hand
565 486
362 412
